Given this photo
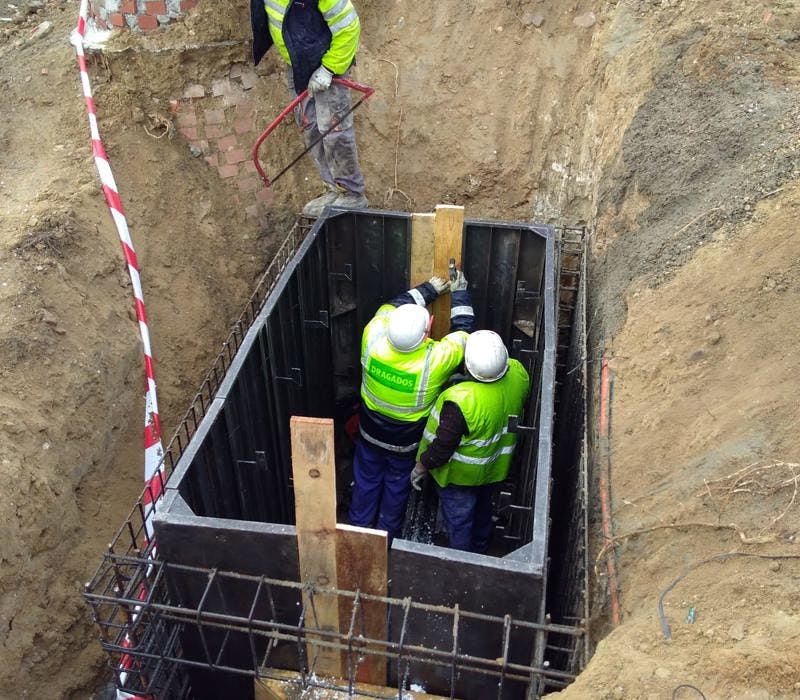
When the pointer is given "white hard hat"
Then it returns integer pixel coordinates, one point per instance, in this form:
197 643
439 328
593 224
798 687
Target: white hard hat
408 327
486 356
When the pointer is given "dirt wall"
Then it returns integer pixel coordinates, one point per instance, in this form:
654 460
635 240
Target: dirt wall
669 128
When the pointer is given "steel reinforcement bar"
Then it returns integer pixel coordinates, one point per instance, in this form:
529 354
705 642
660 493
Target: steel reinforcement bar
132 536
153 622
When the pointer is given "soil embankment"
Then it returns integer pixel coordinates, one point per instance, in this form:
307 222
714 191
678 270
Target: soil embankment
669 128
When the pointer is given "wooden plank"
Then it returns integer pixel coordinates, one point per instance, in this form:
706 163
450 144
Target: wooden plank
314 473
448 230
287 685
421 268
269 689
361 565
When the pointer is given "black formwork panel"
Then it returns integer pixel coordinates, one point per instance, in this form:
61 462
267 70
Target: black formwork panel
229 503
250 548
478 583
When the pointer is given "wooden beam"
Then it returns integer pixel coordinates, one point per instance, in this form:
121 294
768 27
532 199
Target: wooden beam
421 269
270 689
448 228
314 473
361 565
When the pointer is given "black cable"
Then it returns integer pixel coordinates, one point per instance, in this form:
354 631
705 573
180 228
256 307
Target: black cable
687 685
665 628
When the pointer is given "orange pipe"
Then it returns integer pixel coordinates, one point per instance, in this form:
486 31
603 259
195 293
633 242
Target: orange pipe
604 394
605 507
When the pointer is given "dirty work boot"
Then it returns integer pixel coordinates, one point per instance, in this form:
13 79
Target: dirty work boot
314 208
350 200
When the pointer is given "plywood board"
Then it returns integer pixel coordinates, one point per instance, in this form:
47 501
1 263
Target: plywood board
361 565
448 230
421 269
314 474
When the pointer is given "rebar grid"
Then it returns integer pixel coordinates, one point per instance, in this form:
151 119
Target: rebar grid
132 536
569 585
140 622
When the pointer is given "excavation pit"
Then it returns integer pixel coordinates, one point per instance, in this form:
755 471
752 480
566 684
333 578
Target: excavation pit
224 598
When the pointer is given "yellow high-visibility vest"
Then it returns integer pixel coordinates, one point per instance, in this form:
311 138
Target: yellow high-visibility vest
341 19
485 453
404 385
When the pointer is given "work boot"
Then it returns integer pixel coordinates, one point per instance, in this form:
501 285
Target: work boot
314 208
350 200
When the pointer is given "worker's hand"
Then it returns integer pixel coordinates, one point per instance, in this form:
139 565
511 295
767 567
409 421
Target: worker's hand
417 476
439 284
459 283
320 80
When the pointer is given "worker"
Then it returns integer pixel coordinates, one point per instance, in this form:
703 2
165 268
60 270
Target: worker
403 371
318 39
466 446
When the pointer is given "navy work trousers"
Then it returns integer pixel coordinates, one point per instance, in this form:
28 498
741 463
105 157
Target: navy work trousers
467 513
382 486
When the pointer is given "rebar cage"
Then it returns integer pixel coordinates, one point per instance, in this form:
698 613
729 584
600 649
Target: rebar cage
567 581
142 623
143 600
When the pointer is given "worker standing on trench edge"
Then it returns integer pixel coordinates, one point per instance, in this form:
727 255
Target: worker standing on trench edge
318 39
466 445
403 371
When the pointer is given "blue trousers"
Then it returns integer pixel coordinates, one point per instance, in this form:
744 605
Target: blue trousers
382 486
467 513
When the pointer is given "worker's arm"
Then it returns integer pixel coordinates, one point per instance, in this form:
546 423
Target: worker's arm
342 20
423 294
462 317
452 427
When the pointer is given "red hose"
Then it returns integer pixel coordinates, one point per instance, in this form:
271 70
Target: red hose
368 91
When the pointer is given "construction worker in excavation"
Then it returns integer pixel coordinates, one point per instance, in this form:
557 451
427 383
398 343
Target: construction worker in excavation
318 39
466 445
403 371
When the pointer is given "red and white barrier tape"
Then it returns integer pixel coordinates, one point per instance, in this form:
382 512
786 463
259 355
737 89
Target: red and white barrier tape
153 452
152 427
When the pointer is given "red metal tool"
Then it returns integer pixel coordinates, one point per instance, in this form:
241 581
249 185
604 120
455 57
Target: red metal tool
364 89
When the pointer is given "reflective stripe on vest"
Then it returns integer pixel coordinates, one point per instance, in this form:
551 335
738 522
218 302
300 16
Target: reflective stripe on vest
485 454
336 9
349 16
400 385
429 436
386 445
397 380
342 20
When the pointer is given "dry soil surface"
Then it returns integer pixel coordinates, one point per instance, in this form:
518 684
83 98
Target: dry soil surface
669 128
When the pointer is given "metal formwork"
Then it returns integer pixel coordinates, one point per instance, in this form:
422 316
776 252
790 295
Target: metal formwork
228 504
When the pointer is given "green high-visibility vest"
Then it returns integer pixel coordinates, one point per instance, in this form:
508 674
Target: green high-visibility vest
342 20
404 385
485 453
